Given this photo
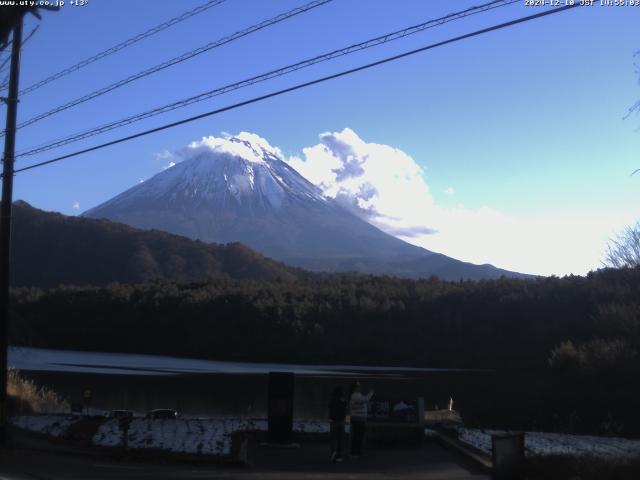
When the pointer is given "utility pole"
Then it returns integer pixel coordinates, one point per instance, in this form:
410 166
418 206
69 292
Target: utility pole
5 219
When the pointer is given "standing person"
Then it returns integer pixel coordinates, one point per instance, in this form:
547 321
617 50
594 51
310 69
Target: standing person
337 415
358 408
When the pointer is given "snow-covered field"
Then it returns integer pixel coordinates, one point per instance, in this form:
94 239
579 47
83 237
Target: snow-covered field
194 436
52 425
545 444
211 436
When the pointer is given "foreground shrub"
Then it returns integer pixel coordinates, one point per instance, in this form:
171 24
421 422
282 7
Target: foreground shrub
26 397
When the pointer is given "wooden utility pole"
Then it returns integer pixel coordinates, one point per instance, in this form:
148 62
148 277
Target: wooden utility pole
5 219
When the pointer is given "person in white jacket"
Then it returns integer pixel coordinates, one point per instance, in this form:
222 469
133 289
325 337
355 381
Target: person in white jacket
358 410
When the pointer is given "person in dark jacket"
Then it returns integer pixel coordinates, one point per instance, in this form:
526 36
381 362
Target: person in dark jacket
337 415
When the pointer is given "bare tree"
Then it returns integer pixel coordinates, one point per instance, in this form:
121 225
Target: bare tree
624 250
635 108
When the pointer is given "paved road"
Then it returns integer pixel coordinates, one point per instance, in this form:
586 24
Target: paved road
430 461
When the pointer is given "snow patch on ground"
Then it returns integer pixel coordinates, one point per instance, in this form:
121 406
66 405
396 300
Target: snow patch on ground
52 425
109 434
210 436
310 426
480 439
545 444
193 436
207 437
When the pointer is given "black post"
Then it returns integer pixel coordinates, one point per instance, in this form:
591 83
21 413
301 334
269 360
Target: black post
281 390
5 219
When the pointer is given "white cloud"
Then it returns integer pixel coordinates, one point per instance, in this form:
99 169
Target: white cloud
387 187
76 205
379 182
169 165
164 155
449 191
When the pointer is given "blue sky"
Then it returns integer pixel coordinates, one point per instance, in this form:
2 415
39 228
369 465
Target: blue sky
524 157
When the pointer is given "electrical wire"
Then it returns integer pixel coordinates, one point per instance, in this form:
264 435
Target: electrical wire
266 76
4 66
127 43
176 60
302 85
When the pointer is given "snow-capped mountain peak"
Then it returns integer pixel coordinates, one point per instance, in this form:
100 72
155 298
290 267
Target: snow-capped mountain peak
241 171
248 146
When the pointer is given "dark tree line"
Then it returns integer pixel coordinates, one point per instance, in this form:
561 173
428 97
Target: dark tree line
340 318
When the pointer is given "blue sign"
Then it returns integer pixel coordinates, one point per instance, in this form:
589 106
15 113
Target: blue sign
394 410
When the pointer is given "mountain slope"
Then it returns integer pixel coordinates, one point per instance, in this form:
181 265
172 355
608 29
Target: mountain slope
49 249
239 190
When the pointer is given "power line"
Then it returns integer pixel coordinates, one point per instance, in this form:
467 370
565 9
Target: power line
302 85
266 76
127 43
176 60
4 66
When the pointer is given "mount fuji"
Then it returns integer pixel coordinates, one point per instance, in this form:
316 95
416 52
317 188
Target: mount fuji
238 189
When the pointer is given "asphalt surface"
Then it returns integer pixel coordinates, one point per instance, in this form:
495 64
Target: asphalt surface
309 461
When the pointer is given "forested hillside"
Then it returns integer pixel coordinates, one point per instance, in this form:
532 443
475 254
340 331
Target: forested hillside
50 249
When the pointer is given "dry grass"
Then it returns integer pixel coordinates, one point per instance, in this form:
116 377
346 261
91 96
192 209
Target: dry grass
28 398
432 417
